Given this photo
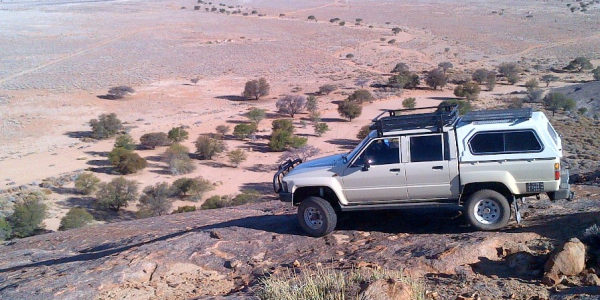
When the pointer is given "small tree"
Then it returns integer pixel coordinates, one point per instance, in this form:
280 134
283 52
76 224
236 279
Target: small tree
469 90
124 141
105 126
222 129
29 212
312 104
5 229
194 80
435 78
532 84
282 124
579 64
401 68
291 104
321 128
446 66
407 80
349 109
363 132
207 147
126 161
279 140
177 135
315 116
119 92
556 101
396 30
155 201
237 156
76 217
409 103
463 106
327 89
178 158
256 115
256 88
535 95
549 78
244 130
510 71
116 194
193 188
86 183
360 96
596 73
490 81
154 139
480 75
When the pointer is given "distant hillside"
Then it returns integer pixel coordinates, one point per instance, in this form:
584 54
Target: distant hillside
586 94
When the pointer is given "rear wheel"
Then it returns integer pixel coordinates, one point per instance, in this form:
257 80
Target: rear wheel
488 210
316 216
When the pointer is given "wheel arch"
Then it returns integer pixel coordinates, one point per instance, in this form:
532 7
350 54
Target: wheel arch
471 188
324 192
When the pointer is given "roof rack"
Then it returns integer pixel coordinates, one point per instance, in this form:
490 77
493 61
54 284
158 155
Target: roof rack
442 116
500 114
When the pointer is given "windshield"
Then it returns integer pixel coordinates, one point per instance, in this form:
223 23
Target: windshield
349 156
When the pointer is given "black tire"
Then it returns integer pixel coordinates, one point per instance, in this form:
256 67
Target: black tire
316 216
487 210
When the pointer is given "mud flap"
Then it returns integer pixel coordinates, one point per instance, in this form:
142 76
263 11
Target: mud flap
517 211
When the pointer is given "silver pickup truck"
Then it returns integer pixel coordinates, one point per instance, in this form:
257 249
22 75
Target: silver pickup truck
482 162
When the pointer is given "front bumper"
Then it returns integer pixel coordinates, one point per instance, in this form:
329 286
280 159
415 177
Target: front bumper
285 197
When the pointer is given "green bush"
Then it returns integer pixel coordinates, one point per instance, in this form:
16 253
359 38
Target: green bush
409 103
256 115
244 130
178 159
246 196
5 229
155 201
349 109
579 64
193 188
184 209
556 101
237 156
463 106
279 140
154 139
126 161
215 202
124 141
327 89
177 135
256 88
435 78
207 146
29 212
469 90
360 96
86 183
76 218
119 92
321 128
283 124
363 132
105 126
115 194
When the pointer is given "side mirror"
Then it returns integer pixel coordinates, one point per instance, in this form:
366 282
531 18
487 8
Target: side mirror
366 165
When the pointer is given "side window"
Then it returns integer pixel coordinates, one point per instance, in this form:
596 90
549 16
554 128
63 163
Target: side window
426 148
381 152
505 142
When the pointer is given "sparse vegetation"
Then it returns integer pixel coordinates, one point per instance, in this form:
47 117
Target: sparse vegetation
76 217
120 92
236 157
256 88
396 30
320 128
445 66
29 212
480 75
207 146
435 78
532 84
463 106
184 209
327 89
116 194
178 158
404 78
86 183
409 103
256 115
363 132
126 161
556 101
105 126
579 64
549 78
510 71
5 229
291 104
244 130
124 141
155 201
349 109
177 135
469 90
222 130
312 104
303 153
247 196
191 188
154 139
360 96
283 137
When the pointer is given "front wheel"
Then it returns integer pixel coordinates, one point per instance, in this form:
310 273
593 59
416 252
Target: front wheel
316 216
488 210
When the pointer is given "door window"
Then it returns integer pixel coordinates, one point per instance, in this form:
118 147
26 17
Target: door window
381 152
426 148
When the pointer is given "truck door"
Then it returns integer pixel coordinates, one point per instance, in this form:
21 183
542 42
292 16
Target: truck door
427 167
382 180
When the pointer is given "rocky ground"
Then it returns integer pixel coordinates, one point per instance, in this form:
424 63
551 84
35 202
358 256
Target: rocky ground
222 253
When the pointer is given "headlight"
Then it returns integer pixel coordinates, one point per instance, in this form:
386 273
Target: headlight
285 187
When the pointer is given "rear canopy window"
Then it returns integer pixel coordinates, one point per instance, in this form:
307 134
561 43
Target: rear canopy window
505 142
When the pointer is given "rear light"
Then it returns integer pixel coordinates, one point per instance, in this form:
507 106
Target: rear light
556 171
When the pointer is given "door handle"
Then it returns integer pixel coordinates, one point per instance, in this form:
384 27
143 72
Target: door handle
438 167
394 170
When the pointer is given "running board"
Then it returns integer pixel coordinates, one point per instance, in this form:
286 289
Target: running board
398 205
